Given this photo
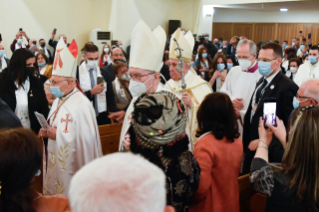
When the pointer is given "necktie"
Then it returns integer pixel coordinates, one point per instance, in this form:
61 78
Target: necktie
95 98
259 91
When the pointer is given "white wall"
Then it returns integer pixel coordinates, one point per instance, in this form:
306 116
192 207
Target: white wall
75 18
238 15
126 13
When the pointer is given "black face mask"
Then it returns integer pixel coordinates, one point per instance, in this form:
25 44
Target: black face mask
116 60
30 70
42 45
34 43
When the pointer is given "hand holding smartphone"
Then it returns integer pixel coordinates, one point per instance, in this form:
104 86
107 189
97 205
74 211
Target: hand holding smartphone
269 116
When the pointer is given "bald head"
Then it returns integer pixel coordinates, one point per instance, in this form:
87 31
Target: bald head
309 89
117 54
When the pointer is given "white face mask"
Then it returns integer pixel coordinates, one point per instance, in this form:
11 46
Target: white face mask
92 64
137 88
293 69
244 64
106 50
126 77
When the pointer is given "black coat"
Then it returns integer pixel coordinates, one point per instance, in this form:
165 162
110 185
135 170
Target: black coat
102 118
37 100
53 44
110 72
8 119
284 90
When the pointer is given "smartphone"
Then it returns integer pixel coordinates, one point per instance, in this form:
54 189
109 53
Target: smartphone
0 37
269 116
100 80
238 38
309 36
300 31
20 29
54 30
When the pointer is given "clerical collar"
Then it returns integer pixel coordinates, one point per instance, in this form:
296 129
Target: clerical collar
66 96
253 68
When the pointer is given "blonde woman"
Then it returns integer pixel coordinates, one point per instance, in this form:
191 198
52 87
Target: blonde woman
294 185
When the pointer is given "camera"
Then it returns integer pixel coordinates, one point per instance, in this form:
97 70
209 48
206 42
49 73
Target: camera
201 38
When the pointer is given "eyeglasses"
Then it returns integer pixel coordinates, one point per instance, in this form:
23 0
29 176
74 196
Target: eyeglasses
138 77
244 58
265 60
56 82
304 97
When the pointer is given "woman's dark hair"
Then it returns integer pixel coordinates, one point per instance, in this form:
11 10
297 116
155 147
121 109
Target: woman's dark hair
217 114
291 55
289 50
214 63
44 56
20 159
117 65
294 60
232 57
17 68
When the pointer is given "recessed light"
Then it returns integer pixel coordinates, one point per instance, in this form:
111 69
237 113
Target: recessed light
283 9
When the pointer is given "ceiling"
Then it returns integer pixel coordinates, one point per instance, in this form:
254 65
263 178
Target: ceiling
292 6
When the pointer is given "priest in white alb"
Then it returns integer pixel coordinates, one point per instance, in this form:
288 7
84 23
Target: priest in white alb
73 137
240 82
196 87
147 49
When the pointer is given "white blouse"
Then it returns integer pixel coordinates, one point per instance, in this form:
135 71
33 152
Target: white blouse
22 109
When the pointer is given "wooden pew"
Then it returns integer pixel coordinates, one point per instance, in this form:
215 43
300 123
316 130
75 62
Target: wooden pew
110 136
245 193
258 203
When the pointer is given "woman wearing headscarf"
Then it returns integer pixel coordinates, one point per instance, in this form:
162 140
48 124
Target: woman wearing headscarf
158 134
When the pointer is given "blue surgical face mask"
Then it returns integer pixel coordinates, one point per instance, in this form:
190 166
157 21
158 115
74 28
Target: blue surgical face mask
302 47
229 66
121 46
206 37
192 63
232 51
312 59
42 64
296 102
56 91
284 46
1 53
264 68
19 41
221 66
204 55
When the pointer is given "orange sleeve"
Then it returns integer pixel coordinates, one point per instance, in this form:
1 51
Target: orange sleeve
205 159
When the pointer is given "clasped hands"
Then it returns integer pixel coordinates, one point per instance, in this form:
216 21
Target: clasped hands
51 133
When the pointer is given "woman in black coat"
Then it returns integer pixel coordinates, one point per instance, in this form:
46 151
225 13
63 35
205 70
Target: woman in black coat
20 84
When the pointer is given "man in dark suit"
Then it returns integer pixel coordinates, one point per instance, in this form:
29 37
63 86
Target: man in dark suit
274 85
53 43
45 50
87 75
117 54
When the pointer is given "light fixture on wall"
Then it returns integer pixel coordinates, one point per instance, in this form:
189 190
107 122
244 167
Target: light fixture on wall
208 15
283 9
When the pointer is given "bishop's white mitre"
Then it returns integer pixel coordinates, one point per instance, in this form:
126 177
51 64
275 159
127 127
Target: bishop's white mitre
66 59
147 47
186 42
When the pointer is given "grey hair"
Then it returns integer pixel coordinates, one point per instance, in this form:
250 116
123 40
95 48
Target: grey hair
252 45
312 89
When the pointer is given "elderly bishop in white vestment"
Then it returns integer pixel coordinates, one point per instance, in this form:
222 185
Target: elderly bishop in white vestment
147 51
77 135
196 87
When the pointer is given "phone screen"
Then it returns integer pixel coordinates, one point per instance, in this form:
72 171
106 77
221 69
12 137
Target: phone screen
54 31
270 113
20 29
309 36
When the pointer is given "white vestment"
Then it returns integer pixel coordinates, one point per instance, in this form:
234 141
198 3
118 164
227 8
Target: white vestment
307 72
77 141
3 64
198 89
240 84
128 116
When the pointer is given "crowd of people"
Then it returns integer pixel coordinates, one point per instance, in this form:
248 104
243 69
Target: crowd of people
192 122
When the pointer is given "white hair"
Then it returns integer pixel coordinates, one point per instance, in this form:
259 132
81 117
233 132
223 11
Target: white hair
61 35
312 89
252 45
119 182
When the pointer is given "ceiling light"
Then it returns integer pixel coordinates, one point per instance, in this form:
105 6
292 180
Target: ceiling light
283 9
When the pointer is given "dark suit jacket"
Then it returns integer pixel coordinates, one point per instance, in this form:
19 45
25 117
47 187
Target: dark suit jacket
110 98
53 44
165 72
284 90
8 119
7 60
13 45
36 102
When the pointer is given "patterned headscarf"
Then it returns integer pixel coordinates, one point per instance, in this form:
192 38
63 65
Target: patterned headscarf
159 119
